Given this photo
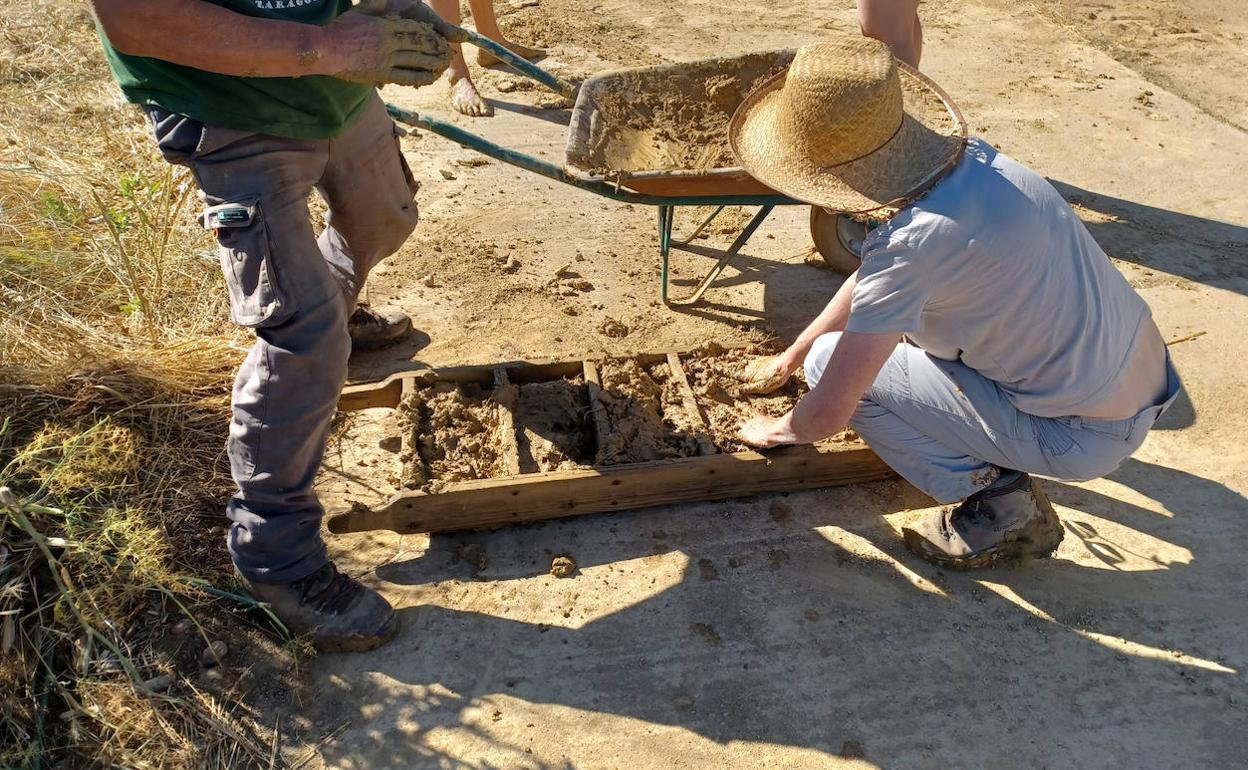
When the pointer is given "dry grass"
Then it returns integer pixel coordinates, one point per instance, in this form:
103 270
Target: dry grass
115 364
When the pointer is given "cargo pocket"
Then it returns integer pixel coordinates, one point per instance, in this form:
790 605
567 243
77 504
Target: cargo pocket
256 296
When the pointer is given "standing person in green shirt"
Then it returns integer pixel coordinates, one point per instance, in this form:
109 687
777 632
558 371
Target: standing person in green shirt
264 101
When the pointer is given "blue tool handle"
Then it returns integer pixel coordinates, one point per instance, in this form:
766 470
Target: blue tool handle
523 65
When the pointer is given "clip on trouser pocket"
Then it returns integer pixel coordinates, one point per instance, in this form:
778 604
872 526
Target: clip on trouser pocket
256 296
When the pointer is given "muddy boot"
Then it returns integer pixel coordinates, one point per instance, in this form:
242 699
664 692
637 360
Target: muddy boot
1009 522
371 329
340 613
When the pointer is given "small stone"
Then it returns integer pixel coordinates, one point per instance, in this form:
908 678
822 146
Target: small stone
580 284
511 265
183 627
244 683
446 173
158 683
852 750
612 328
213 653
429 281
570 310
562 566
212 680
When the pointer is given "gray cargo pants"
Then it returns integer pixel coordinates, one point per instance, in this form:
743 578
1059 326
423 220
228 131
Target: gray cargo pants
296 290
945 427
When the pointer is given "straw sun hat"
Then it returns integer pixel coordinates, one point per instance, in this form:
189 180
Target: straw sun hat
849 128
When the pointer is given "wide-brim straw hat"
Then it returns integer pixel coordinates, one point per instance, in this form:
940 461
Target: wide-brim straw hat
849 128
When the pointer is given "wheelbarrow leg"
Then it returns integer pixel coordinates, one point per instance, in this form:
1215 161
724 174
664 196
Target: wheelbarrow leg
702 226
737 245
665 242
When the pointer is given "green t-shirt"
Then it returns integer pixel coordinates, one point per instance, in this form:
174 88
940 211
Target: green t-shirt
312 107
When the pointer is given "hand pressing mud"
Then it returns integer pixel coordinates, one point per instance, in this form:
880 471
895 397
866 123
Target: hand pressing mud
719 380
764 375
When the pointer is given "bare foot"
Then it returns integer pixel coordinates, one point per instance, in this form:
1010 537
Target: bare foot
487 59
466 100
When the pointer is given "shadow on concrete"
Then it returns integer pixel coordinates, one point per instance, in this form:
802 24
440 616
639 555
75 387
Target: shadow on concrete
1202 250
557 116
771 630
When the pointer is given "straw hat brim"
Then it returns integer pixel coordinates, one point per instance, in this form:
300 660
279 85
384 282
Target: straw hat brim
926 145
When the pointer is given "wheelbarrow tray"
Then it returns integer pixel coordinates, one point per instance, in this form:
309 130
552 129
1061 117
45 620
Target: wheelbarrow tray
663 130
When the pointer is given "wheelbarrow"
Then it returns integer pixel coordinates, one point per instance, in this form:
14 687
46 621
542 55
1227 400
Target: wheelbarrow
609 144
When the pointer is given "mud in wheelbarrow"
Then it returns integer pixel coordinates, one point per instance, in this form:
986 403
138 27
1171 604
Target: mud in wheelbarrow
656 136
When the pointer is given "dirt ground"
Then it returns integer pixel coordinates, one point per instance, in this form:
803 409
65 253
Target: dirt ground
795 631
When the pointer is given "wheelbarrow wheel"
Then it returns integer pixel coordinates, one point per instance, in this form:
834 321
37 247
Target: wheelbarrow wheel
837 238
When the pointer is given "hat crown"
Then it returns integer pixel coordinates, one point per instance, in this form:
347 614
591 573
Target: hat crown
840 100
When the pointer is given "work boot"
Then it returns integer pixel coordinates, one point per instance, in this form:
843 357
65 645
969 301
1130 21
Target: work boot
370 328
1007 522
340 613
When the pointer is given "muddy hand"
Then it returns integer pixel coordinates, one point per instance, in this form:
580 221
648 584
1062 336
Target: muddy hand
417 10
367 47
764 375
762 432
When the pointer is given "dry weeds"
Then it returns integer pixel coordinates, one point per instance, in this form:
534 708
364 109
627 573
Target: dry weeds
115 364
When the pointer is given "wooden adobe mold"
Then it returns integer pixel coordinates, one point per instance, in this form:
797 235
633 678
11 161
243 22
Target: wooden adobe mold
519 497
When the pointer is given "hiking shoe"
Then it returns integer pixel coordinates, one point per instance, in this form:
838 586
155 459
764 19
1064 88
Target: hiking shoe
371 328
1012 522
340 613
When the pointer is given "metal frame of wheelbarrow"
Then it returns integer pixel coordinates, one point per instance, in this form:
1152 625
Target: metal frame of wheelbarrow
615 191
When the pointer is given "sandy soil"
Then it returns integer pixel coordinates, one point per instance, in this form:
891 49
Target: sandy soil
794 631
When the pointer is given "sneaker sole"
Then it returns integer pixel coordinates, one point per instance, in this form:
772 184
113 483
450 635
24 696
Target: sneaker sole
1037 540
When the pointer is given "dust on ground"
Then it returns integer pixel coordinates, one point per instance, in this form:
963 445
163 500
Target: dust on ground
550 26
671 117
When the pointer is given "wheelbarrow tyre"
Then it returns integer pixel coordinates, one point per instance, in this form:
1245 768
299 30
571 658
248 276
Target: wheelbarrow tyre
828 232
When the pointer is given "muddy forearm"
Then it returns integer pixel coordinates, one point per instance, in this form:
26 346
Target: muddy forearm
212 38
832 319
855 364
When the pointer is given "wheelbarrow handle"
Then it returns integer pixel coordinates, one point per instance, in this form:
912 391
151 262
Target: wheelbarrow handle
523 65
